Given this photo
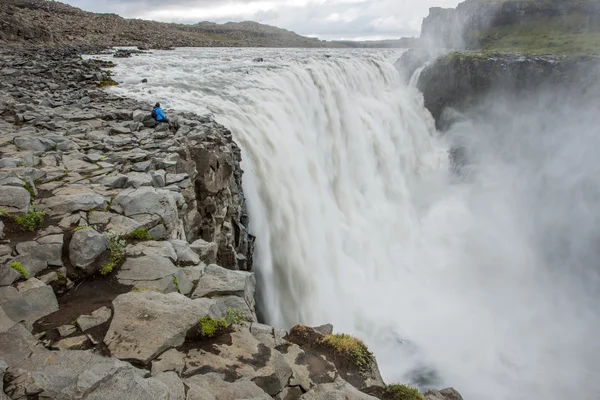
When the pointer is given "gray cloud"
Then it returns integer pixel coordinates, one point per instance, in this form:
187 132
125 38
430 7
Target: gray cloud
327 19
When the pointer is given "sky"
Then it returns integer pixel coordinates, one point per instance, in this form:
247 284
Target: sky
326 19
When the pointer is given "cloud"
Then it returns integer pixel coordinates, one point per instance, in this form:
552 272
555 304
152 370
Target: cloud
327 19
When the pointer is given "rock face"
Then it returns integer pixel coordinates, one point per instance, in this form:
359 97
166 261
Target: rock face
461 79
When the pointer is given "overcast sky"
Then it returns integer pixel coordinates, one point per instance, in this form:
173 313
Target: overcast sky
326 19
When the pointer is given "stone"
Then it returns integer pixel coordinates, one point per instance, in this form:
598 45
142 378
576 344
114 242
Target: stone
445 394
338 390
72 343
152 248
142 166
155 273
15 198
147 323
138 179
66 330
170 360
31 264
158 178
17 344
98 317
122 225
117 181
49 252
175 178
147 201
3 368
8 275
86 246
237 303
5 322
33 143
29 305
212 387
173 383
75 199
217 281
131 384
206 251
185 254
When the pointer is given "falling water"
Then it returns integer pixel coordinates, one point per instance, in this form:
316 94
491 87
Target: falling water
362 223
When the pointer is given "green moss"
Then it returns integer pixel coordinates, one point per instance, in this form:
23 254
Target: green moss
32 220
139 234
107 268
235 316
116 246
573 34
176 283
28 187
140 290
80 228
107 82
17 266
402 392
209 327
351 348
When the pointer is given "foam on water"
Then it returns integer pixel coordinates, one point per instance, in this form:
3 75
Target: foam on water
362 223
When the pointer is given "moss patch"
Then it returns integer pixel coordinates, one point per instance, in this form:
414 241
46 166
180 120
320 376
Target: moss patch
107 82
139 234
401 392
209 327
17 266
235 316
30 221
349 347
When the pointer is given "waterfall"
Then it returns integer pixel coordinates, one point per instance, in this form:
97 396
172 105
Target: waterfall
361 222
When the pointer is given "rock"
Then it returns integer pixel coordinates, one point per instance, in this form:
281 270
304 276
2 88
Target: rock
28 305
98 317
155 273
217 281
326 329
152 248
33 143
17 344
86 246
144 80
170 360
174 383
338 390
158 178
8 275
51 253
130 384
75 199
245 357
72 343
206 251
185 254
259 59
211 387
31 264
5 322
3 368
14 198
116 181
148 202
138 317
445 394
66 330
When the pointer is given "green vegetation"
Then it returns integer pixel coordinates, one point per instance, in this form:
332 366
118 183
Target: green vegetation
107 82
235 316
17 266
139 234
176 283
209 327
351 348
573 34
402 392
28 187
82 227
32 220
116 245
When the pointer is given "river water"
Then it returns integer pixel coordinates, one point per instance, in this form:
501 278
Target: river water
483 278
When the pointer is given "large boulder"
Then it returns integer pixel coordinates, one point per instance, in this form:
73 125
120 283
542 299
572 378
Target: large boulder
74 199
31 302
212 387
154 273
86 246
338 390
217 281
147 323
14 198
444 394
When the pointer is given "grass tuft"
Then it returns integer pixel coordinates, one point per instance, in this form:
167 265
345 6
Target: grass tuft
139 234
353 349
209 327
32 220
402 392
17 266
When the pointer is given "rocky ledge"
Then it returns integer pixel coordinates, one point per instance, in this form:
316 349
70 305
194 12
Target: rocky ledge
126 264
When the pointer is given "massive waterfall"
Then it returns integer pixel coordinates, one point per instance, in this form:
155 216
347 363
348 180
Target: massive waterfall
482 277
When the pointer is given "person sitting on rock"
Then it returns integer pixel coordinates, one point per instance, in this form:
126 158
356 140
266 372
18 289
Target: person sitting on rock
158 114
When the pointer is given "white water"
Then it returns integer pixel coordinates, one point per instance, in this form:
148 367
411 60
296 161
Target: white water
361 222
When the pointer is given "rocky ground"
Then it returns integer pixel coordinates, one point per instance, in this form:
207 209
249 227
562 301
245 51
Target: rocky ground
126 265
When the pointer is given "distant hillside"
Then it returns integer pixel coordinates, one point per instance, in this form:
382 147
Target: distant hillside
40 21
523 26
402 43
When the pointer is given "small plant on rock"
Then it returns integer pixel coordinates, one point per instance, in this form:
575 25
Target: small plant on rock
209 327
32 220
29 188
107 82
176 283
116 245
82 227
402 392
349 347
17 266
139 234
235 316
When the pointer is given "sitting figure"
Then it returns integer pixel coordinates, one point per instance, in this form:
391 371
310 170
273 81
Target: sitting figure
158 114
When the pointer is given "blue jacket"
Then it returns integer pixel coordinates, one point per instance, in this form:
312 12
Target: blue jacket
159 114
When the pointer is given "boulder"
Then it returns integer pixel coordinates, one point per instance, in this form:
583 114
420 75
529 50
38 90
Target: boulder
33 143
154 273
445 394
75 199
170 360
147 323
31 264
66 330
8 275
5 322
30 303
217 281
338 390
98 317
72 343
212 387
86 246
207 251
131 384
152 248
51 253
14 198
185 254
